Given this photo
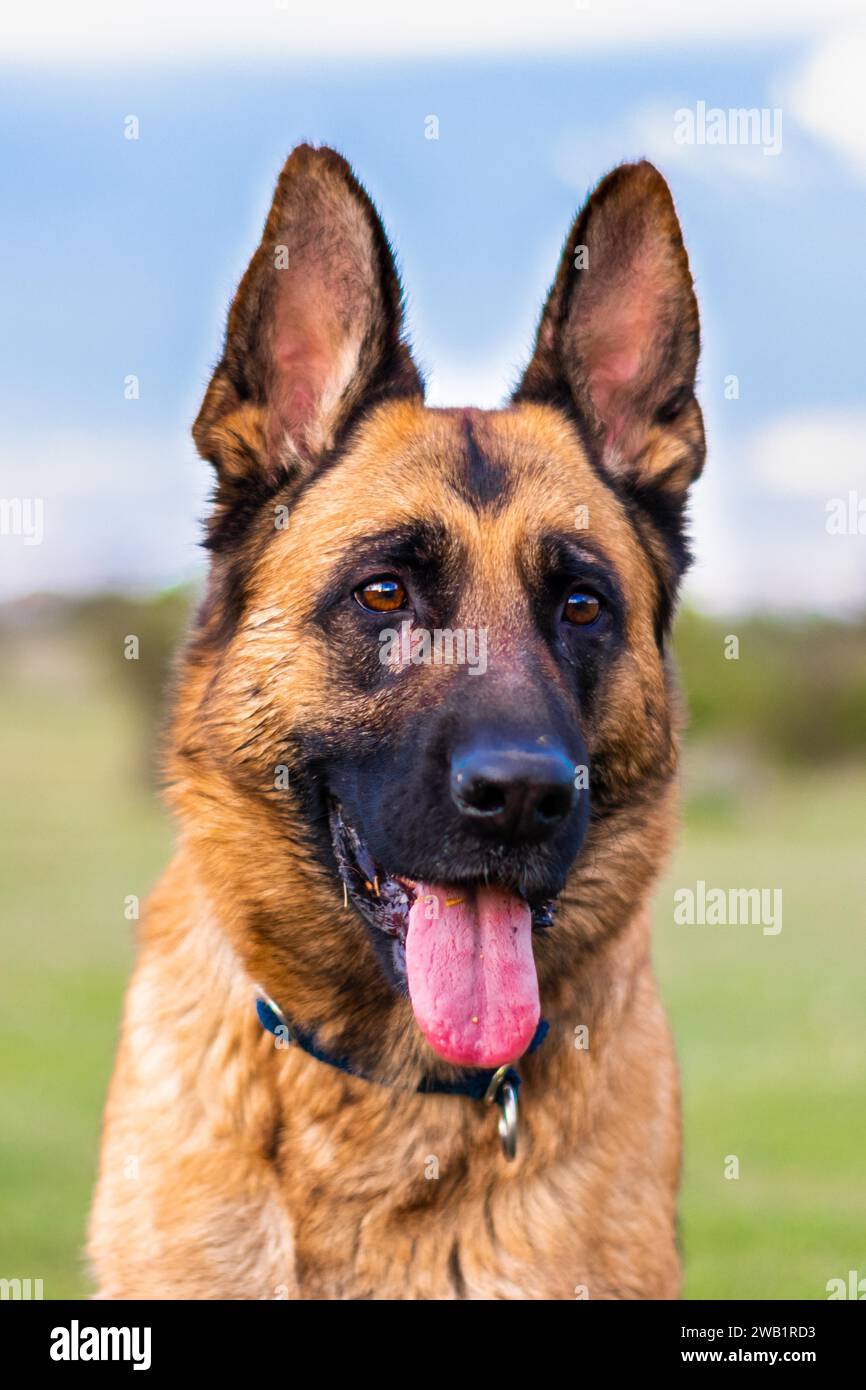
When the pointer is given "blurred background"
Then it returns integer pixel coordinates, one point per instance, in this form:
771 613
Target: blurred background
139 153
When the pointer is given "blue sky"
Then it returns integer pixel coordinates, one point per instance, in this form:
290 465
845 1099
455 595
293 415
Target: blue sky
121 256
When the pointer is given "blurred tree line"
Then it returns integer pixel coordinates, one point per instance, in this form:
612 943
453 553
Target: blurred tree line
794 693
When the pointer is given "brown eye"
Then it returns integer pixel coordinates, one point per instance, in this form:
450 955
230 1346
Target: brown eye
581 608
384 594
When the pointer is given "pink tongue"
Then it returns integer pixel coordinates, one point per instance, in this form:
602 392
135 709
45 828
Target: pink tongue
471 974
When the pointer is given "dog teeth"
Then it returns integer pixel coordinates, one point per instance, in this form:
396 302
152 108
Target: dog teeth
363 858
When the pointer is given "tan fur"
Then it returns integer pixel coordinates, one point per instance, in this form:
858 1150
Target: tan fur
234 1168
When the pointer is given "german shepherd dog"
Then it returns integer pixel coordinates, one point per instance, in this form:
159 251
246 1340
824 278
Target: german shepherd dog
407 862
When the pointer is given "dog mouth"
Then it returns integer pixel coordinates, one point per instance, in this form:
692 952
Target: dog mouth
462 951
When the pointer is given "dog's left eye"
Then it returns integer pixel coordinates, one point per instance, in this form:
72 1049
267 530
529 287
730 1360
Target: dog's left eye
582 608
383 594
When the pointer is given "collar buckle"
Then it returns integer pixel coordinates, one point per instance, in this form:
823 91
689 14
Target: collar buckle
502 1092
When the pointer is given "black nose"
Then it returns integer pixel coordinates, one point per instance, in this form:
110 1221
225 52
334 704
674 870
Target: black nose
511 791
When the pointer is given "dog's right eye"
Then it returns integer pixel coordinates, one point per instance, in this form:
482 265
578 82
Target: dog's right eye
383 594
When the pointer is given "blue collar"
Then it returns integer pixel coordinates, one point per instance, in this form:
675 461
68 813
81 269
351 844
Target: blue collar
498 1085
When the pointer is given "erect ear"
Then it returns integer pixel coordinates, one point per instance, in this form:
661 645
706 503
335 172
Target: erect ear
619 337
314 331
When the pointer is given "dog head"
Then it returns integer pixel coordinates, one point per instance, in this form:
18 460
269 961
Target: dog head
425 739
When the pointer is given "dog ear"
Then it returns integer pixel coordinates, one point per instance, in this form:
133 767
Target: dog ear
619 338
314 331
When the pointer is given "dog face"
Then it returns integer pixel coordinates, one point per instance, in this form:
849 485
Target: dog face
424 740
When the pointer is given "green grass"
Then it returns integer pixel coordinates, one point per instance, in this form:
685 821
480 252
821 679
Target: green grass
79 831
770 1038
769 1029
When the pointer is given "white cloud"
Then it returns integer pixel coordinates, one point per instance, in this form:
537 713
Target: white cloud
773 565
815 453
120 510
760 528
189 30
828 95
